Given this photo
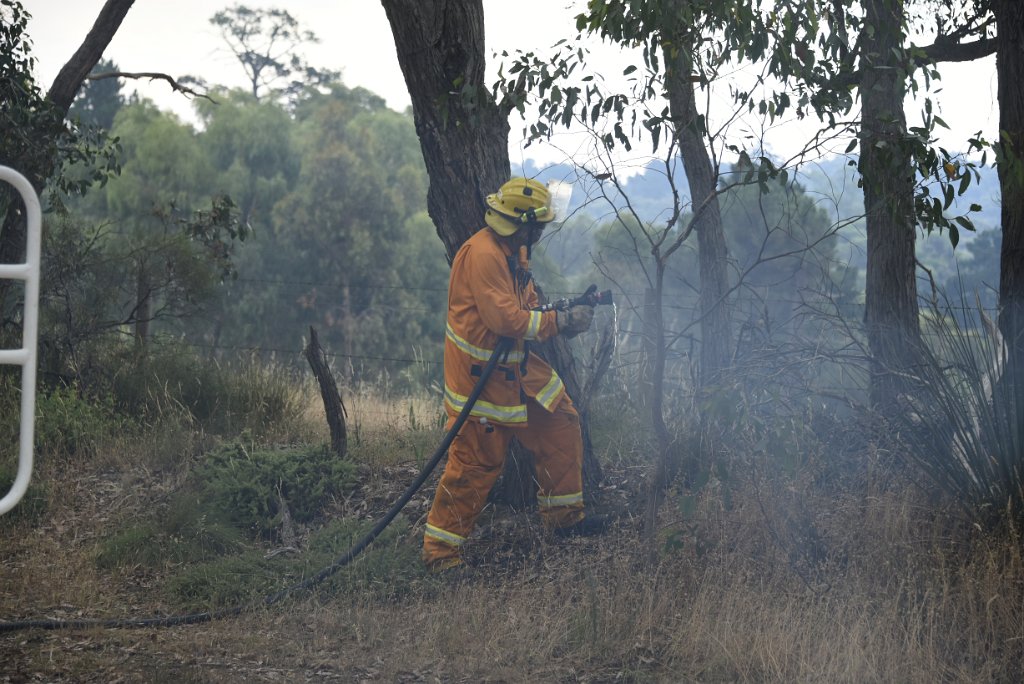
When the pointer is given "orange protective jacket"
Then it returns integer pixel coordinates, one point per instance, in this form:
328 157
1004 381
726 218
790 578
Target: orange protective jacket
490 295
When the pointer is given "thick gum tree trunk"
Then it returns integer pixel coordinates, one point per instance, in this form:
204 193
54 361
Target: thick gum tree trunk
891 307
1010 70
701 176
463 134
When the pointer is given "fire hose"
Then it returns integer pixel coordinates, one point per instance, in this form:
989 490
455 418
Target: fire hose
590 298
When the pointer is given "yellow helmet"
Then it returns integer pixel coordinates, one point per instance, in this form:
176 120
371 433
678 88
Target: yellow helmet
518 201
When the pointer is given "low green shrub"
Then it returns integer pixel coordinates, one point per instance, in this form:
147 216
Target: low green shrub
387 569
389 562
246 487
229 496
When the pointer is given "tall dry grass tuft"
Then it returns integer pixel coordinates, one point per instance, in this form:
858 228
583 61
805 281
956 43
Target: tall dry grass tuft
386 430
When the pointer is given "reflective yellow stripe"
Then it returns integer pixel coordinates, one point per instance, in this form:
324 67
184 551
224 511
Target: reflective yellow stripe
560 500
485 409
481 353
444 535
534 327
546 397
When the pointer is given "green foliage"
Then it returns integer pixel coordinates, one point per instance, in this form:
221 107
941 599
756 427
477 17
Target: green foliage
350 248
251 151
150 248
159 251
36 140
99 99
566 90
246 487
816 50
959 424
25 113
135 545
844 34
386 570
69 424
75 312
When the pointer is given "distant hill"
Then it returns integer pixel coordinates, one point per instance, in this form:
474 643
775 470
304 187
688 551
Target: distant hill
834 181
833 184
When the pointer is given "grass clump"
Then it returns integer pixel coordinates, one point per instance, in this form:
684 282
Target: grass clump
226 581
140 544
69 424
388 568
185 536
226 399
33 504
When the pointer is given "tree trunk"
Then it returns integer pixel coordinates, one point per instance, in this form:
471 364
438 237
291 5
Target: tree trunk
1010 70
649 348
891 307
464 138
69 81
61 95
716 330
462 132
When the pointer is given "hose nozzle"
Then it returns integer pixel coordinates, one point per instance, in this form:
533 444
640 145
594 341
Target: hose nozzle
592 297
589 298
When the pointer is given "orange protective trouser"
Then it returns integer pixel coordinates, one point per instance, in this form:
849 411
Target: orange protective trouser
475 460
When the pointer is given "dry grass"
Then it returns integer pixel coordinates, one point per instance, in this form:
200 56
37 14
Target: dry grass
792 581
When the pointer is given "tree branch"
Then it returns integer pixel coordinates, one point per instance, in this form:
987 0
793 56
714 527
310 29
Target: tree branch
944 51
152 76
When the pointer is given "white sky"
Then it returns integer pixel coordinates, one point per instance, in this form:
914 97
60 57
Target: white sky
175 37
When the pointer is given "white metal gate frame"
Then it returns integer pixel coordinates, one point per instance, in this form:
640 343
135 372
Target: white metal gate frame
26 356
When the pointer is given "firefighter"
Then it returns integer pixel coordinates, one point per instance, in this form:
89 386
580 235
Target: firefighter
491 295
